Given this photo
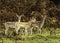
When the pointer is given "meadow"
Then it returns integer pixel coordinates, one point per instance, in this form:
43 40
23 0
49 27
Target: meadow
35 38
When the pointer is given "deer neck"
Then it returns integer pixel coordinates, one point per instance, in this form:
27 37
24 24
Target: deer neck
19 20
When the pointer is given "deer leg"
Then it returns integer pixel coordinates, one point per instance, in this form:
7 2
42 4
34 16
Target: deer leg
16 29
6 31
31 30
40 30
26 32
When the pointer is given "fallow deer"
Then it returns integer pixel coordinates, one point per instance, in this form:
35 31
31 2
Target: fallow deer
18 25
12 25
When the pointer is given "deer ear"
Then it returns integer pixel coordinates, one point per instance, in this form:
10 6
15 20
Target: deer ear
22 15
17 15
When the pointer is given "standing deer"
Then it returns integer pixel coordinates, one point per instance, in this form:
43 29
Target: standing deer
18 25
12 25
37 24
27 25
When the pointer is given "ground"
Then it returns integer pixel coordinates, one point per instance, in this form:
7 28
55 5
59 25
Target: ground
35 38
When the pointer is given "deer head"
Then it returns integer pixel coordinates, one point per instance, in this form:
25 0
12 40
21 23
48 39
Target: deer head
19 17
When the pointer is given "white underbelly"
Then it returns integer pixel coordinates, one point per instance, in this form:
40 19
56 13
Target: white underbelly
11 26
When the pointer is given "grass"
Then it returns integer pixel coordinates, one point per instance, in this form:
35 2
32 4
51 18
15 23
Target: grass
35 38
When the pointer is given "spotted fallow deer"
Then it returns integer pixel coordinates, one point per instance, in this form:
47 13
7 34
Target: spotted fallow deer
27 25
12 25
18 25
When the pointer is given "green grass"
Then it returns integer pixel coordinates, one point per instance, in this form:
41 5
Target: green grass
35 38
